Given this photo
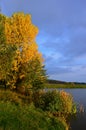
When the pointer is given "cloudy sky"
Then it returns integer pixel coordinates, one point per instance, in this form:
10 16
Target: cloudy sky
62 34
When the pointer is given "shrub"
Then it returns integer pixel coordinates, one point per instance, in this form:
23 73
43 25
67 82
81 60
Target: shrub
55 101
67 102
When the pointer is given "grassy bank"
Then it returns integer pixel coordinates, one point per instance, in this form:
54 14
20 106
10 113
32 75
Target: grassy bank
66 85
14 117
41 111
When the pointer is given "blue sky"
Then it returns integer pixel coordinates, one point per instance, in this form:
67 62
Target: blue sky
62 34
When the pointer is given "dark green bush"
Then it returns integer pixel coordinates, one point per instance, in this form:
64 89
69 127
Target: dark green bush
55 101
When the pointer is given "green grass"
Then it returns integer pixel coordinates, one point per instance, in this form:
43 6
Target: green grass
13 117
68 85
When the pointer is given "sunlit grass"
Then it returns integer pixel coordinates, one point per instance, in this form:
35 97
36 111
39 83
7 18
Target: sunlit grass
66 85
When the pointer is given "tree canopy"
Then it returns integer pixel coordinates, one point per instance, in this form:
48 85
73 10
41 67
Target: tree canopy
21 64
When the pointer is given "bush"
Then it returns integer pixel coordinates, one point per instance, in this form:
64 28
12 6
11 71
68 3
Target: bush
69 106
55 101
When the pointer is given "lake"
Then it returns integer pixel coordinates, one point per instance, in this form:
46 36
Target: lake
79 121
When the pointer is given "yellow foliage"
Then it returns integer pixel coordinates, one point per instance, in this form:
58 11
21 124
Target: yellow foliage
20 35
22 76
19 29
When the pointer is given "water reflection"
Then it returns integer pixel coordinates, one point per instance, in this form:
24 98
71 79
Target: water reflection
78 122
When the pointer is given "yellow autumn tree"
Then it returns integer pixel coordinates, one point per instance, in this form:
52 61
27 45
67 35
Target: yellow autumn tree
20 31
26 69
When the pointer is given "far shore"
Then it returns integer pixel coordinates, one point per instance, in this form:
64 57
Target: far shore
65 85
